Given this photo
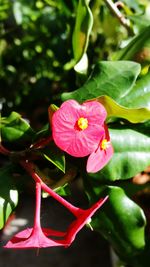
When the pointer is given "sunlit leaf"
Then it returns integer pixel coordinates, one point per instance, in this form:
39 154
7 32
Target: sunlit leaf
8 194
16 129
131 152
138 48
133 115
139 96
112 78
121 221
82 30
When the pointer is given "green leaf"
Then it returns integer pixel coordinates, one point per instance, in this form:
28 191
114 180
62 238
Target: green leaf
8 194
135 5
137 44
139 96
44 132
134 115
55 156
112 78
16 129
131 152
51 109
82 30
63 190
121 221
140 21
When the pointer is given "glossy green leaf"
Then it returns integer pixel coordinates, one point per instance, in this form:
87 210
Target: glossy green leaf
138 43
112 78
131 152
121 221
139 96
55 156
15 129
8 194
82 30
134 115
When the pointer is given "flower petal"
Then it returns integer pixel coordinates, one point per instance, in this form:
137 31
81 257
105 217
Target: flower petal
82 218
40 238
98 159
78 143
96 113
30 239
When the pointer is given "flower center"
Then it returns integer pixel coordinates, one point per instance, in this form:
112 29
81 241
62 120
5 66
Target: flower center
82 123
104 144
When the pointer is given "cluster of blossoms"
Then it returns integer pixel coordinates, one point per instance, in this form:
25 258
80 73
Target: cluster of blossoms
80 130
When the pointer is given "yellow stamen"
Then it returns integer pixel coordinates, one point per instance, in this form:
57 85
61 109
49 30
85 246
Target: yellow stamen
104 144
82 123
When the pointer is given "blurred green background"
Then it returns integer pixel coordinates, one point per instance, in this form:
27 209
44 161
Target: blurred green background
36 49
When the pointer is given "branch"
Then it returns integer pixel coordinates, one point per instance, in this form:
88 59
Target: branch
43 142
31 169
4 151
124 21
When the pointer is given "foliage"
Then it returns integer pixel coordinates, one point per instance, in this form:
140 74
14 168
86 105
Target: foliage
52 51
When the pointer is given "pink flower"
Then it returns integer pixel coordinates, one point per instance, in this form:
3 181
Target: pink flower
77 128
35 237
38 237
82 217
100 157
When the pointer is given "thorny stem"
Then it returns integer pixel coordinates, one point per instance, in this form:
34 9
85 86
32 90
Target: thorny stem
125 22
31 170
39 144
7 152
42 142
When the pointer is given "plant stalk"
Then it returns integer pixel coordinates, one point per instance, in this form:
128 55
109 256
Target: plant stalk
124 21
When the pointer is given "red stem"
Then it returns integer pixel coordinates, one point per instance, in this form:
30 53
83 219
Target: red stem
42 142
30 169
37 223
4 151
61 200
